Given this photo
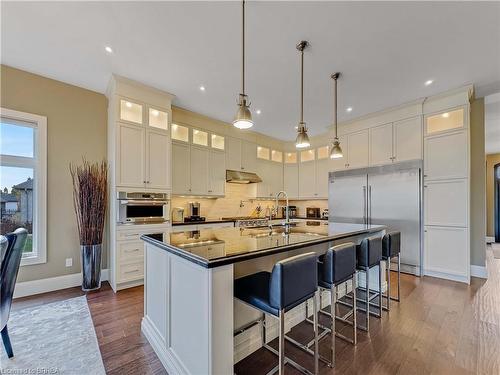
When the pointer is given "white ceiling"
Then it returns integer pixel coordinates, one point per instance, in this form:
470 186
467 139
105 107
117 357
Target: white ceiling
492 123
386 51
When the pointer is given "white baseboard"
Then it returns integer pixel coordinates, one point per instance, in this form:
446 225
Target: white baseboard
29 288
490 239
478 271
445 275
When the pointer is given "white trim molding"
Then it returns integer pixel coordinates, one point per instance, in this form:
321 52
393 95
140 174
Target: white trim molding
478 271
29 288
490 239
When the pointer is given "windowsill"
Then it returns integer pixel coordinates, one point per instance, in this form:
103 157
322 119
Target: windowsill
29 261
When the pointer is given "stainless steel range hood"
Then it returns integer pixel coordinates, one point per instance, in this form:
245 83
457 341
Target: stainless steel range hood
237 177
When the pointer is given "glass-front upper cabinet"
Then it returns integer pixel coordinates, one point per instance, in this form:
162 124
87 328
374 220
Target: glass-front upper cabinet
130 111
290 157
217 141
158 119
263 153
277 156
323 152
180 133
307 155
445 121
200 137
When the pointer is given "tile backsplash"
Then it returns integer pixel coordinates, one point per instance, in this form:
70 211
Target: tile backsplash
302 205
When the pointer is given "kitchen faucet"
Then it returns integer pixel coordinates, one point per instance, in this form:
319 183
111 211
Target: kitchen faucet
287 218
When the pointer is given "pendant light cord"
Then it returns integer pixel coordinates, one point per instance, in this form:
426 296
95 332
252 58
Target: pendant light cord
243 50
302 86
335 76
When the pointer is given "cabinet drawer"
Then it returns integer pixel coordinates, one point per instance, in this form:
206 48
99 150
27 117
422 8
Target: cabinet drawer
128 251
128 236
131 271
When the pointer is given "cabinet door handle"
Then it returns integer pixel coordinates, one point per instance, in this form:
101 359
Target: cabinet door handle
132 250
144 181
425 175
210 191
132 271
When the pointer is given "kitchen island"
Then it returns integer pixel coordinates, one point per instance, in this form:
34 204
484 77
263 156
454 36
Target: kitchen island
189 311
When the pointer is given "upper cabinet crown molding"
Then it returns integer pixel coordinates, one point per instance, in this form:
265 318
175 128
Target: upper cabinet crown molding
135 90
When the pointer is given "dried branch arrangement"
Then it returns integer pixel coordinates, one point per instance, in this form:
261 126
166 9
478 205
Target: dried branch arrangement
90 198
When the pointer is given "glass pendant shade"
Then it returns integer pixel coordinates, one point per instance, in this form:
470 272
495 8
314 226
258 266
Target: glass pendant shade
302 140
336 150
243 118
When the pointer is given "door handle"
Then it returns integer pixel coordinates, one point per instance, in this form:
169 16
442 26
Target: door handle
364 206
370 204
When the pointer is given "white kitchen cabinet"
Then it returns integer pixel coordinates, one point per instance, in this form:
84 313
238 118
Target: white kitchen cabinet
216 173
446 202
446 156
446 252
381 144
158 160
181 178
199 170
233 153
272 178
307 178
408 139
357 152
291 180
131 158
323 167
248 156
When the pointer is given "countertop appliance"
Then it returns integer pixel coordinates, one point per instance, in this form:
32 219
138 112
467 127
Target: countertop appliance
194 213
248 221
324 213
313 212
292 212
142 208
388 195
178 215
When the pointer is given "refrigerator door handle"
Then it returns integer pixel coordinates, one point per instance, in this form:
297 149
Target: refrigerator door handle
370 204
365 207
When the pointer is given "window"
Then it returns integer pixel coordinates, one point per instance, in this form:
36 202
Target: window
23 160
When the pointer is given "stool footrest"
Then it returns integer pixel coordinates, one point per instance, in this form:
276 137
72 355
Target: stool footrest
287 360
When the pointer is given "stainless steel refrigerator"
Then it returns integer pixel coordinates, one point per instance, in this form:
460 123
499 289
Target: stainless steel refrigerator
390 195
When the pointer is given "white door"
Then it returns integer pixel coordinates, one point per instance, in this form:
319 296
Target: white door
233 153
446 252
248 156
446 156
381 145
408 139
323 167
341 163
181 183
307 179
131 156
199 170
446 203
358 150
217 173
158 160
291 180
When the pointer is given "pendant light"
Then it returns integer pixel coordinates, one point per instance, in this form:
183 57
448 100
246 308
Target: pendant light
335 150
243 118
302 140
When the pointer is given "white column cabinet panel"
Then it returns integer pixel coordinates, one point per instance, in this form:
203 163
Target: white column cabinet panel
446 203
446 252
408 139
276 178
357 152
131 156
291 180
217 173
323 167
381 151
248 156
158 160
199 170
181 177
233 153
307 178
446 156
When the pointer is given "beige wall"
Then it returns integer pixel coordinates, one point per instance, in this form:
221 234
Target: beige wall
76 127
477 184
491 161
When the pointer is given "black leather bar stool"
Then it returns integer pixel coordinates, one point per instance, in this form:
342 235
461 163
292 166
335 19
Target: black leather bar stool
369 255
292 281
391 248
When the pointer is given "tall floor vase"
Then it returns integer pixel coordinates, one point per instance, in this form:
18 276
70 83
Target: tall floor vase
91 266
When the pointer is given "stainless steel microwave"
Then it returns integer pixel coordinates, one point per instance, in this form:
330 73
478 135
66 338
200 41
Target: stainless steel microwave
143 208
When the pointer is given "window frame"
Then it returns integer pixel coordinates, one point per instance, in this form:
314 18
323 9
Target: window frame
39 165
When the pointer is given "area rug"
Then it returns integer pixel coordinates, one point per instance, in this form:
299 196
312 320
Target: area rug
56 338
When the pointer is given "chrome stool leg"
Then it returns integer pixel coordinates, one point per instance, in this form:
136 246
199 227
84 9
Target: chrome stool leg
354 309
388 264
282 343
333 312
367 300
316 347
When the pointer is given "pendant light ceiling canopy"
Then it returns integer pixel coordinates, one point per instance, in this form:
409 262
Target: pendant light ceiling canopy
335 150
243 118
302 140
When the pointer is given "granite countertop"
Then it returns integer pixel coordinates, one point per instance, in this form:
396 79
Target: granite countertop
220 246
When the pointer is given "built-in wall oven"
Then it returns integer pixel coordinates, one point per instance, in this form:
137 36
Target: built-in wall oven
143 208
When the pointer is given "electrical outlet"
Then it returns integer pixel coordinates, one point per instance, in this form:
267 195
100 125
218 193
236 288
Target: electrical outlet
69 262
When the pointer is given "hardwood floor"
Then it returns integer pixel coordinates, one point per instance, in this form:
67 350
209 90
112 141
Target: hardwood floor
440 327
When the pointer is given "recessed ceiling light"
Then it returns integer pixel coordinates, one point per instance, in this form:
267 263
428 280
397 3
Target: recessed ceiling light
202 88
429 82
128 104
108 49
349 109
258 111
446 115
